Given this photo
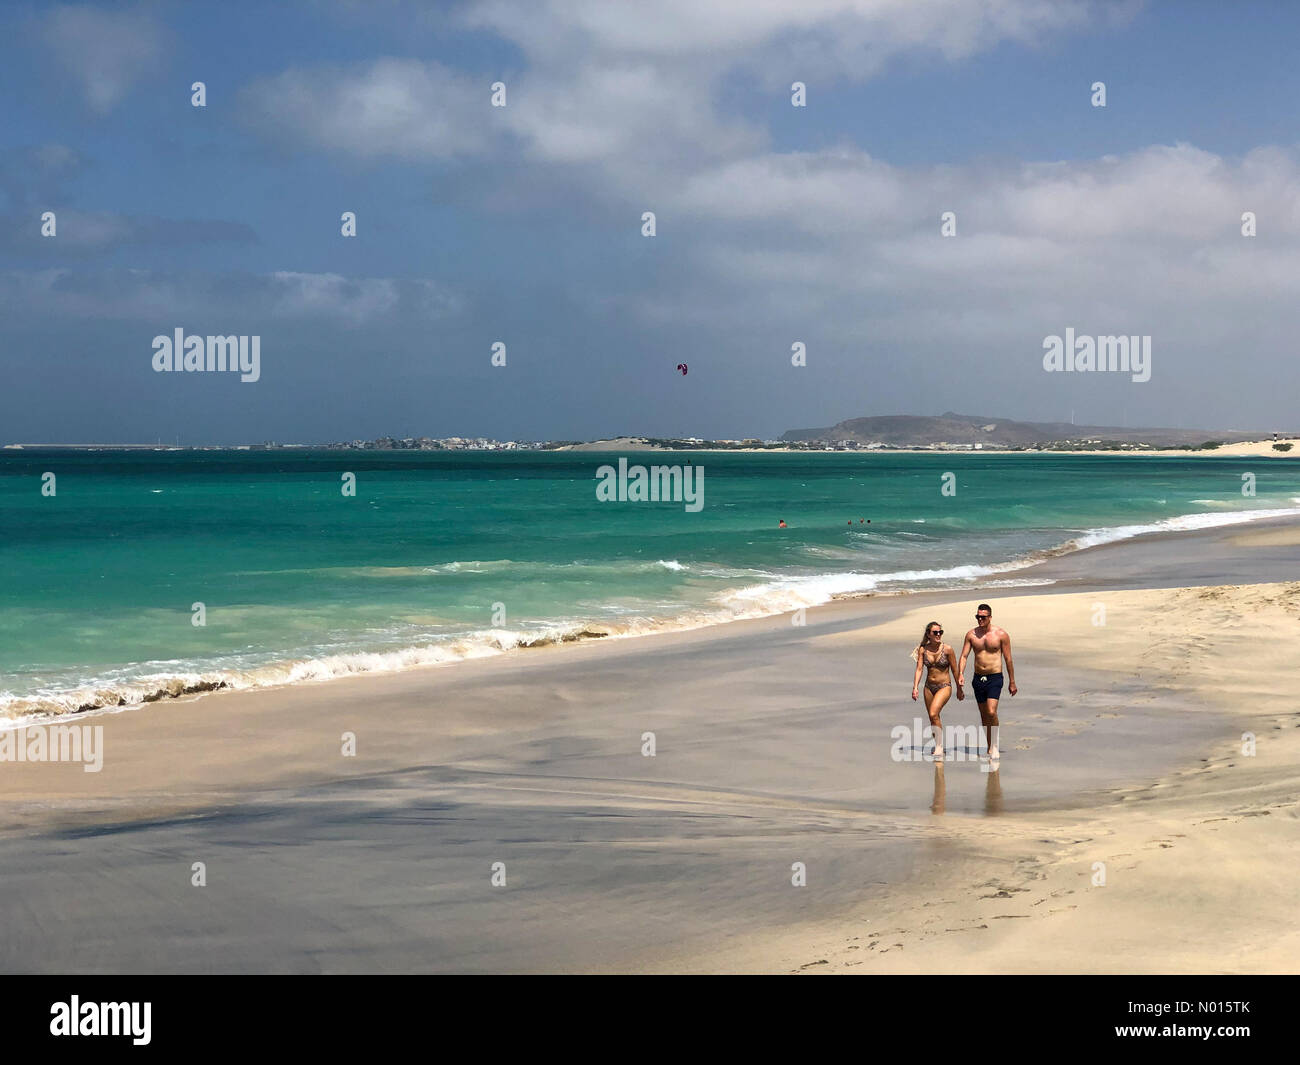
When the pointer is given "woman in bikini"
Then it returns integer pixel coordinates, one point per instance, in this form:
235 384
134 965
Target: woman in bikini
937 660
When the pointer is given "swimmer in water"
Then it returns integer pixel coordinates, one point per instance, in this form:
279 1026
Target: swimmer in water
782 525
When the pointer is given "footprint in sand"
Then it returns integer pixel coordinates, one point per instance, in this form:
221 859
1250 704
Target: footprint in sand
1054 894
1004 893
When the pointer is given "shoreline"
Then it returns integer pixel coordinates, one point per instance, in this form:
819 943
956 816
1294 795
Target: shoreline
1020 574
774 747
1239 449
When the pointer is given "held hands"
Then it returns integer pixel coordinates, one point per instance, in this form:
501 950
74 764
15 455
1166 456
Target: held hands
961 693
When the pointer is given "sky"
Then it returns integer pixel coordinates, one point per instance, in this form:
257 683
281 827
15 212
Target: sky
522 224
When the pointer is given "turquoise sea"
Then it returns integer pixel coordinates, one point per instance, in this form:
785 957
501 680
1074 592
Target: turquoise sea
445 555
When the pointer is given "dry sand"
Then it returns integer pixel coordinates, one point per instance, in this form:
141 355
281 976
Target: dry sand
774 747
1246 449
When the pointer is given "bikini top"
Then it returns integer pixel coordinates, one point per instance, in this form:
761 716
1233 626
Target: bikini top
940 662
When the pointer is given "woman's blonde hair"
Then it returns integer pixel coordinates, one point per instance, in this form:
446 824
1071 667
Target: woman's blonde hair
916 651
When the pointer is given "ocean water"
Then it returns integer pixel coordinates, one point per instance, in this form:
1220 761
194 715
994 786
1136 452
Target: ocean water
441 556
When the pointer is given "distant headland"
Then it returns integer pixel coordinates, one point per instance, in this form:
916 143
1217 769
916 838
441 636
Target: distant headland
896 432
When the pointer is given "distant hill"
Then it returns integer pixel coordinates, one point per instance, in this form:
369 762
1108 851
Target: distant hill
908 430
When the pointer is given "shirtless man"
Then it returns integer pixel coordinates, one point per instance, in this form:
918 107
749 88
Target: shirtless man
991 645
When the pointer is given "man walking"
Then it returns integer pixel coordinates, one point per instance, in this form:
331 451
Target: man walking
991 646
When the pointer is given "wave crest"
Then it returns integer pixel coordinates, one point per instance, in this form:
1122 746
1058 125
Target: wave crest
776 595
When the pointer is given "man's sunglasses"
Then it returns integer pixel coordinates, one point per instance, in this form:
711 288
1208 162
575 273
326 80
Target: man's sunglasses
982 617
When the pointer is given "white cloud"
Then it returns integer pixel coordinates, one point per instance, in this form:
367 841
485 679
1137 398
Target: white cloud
629 90
126 295
847 248
357 300
1175 194
400 108
104 51
862 33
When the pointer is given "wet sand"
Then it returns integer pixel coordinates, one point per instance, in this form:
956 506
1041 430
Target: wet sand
773 747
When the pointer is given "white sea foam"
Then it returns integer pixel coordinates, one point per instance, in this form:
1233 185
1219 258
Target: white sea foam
775 594
792 593
1181 523
1018 582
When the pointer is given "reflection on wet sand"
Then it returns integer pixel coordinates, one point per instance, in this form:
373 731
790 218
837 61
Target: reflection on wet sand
992 789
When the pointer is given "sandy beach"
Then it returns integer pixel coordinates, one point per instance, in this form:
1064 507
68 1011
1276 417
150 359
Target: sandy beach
772 747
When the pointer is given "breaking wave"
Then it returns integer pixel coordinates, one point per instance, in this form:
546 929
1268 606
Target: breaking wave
775 594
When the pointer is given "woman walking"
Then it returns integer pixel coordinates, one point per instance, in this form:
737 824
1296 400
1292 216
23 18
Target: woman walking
936 659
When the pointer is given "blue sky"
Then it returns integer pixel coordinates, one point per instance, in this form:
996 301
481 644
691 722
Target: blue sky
522 224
